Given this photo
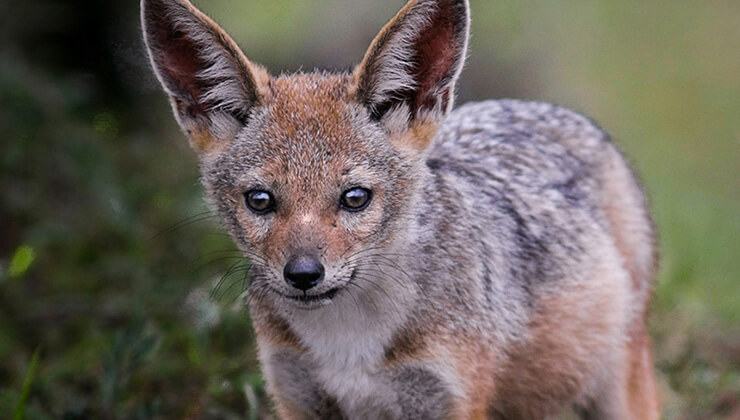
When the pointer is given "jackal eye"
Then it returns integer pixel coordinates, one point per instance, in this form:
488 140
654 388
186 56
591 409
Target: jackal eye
260 202
356 199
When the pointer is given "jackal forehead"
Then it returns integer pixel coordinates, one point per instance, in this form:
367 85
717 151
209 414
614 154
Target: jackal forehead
308 115
310 134
313 120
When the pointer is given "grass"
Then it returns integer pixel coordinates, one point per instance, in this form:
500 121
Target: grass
20 409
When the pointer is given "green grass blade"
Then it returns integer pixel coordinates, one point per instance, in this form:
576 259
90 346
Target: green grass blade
20 409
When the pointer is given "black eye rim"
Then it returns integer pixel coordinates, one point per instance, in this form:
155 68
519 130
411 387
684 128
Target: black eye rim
344 206
249 195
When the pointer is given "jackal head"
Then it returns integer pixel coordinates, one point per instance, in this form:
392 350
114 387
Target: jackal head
316 175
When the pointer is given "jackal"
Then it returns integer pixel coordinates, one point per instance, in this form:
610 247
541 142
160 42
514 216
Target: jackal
410 261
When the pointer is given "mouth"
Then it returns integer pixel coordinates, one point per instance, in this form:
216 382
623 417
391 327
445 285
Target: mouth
307 301
314 298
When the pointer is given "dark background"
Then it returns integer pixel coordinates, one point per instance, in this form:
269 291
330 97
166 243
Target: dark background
112 272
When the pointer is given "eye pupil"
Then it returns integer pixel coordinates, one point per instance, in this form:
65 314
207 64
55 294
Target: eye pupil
356 199
259 201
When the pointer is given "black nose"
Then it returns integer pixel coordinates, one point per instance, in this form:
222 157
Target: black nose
303 272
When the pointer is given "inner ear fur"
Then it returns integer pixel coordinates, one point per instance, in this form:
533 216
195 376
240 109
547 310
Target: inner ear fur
211 84
408 75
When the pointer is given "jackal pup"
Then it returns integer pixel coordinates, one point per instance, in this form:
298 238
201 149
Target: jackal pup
494 262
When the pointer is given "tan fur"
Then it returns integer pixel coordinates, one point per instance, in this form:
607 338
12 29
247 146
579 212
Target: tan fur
642 393
416 139
560 344
624 208
477 364
203 142
308 99
275 331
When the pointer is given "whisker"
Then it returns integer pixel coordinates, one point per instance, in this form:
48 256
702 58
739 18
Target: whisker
222 234
255 292
370 281
411 280
224 280
349 292
185 222
217 260
367 294
380 259
230 287
229 271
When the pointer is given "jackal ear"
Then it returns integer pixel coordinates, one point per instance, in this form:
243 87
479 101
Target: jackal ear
211 84
410 70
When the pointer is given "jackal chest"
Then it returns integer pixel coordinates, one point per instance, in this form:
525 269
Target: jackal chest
345 369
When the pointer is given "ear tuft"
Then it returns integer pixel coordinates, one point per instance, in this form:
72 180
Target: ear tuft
211 84
410 70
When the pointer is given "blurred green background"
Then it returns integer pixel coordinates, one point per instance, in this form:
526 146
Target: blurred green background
115 275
